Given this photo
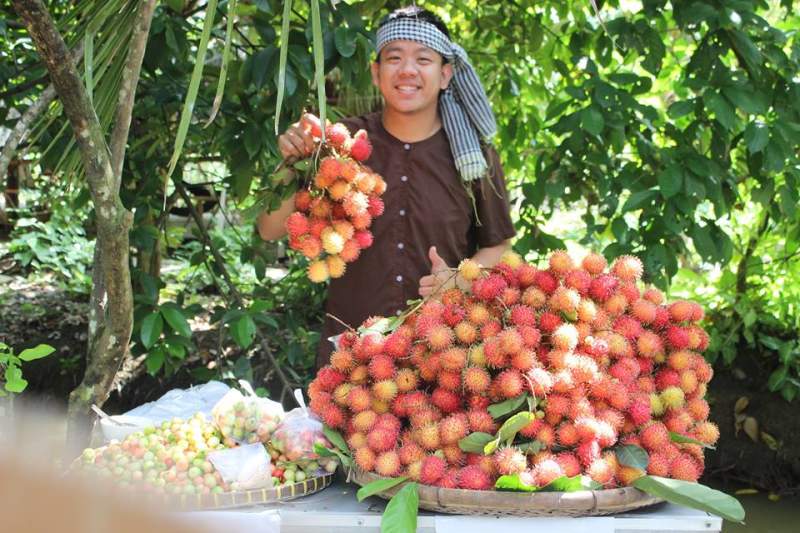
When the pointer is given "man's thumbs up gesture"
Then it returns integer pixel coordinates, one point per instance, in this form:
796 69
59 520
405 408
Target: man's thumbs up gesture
440 273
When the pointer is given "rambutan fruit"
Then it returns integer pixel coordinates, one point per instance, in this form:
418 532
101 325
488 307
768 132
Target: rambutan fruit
340 394
509 383
658 464
594 263
481 420
318 271
587 452
546 435
469 270
302 200
534 297
381 439
684 467
547 471
698 408
678 421
569 463
522 315
656 405
453 314
332 242
673 397
465 332
579 280
540 381
639 409
365 420
628 326
650 345
297 224
433 468
384 390
453 428
626 369
626 475
427 436
706 432
602 470
509 460
490 329
450 380
410 452
567 435
321 208
360 148
453 359
523 360
628 268
689 382
603 287
476 379
365 458
388 464
382 367
447 401
363 238
406 380
548 322
359 399
440 337
561 263
565 300
526 275
545 281
654 436
329 378
336 266
616 304
473 477
678 337
564 337
337 135
698 338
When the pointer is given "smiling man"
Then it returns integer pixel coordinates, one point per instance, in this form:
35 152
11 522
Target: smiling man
446 198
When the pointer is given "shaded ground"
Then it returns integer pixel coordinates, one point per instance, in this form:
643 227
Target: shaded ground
33 313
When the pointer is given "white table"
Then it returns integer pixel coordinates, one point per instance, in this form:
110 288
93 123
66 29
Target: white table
336 510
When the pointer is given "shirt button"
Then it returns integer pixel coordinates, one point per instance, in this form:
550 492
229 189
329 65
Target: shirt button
407 146
403 178
400 245
399 279
399 312
402 212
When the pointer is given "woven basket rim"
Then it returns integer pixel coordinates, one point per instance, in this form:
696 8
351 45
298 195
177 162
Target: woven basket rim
465 501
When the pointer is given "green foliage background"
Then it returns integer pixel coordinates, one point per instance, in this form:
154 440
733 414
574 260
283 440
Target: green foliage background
668 130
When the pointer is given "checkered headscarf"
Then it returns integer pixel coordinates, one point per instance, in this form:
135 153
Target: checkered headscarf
466 114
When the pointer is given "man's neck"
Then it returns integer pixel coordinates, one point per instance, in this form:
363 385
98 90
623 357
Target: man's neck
411 127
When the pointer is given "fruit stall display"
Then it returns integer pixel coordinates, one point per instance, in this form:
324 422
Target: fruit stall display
526 378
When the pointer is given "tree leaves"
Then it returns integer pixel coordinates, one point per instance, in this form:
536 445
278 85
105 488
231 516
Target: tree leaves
592 120
176 320
37 352
756 136
378 486
475 442
499 410
692 495
151 329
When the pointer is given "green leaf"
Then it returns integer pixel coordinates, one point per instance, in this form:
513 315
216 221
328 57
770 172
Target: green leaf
670 181
14 381
475 442
777 378
319 64
592 120
176 320
692 495
377 486
723 111
345 41
571 484
633 456
37 352
152 326
194 86
680 108
284 46
322 451
243 331
683 439
513 483
499 410
400 515
639 199
336 439
511 426
154 361
223 71
756 135
532 447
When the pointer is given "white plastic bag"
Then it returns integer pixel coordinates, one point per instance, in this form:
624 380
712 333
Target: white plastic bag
298 433
244 467
246 418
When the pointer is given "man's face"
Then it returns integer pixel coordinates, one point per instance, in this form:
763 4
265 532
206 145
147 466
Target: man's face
410 76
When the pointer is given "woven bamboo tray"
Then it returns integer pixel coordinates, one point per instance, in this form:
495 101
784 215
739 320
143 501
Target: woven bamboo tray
500 503
230 500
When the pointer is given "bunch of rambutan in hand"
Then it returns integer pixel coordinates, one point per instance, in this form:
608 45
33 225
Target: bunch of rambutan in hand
592 363
334 212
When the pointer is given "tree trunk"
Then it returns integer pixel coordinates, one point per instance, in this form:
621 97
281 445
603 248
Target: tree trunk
111 306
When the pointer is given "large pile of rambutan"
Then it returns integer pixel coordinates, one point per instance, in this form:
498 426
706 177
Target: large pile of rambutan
335 211
597 362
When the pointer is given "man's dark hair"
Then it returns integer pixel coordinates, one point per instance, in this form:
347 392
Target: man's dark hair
414 12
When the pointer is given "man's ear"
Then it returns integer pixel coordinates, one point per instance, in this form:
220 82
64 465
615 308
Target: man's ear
374 69
447 75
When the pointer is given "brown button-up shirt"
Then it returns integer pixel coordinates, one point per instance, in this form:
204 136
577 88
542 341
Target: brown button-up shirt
426 205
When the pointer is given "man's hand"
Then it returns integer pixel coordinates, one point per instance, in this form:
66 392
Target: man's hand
440 274
298 141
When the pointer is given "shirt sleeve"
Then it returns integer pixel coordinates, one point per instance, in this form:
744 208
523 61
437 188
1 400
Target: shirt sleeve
493 224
